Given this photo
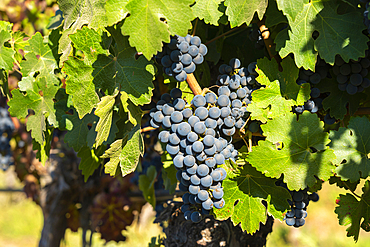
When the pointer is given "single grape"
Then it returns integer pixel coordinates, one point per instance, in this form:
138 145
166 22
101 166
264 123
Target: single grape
365 62
236 103
235 63
176 56
229 121
241 93
216 175
189 150
166 61
208 140
190 68
192 170
166 97
184 143
167 109
168 71
203 195
207 204
219 204
252 68
193 50
210 150
194 179
187 215
203 170
189 160
203 49
234 84
290 221
365 83
210 131
224 90
196 217
183 129
201 156
176 117
290 214
224 80
178 161
214 112
223 173
199 101
154 124
174 139
345 69
342 87
183 47
298 196
233 96
187 113
201 113
195 41
185 198
300 205
181 76
351 89
163 136
206 181
315 92
198 59
176 93
192 137
356 68
299 222
329 120
225 111
223 101
199 128
171 149
210 162
314 197
220 159
198 146
315 78
194 189
355 79
185 182
218 193
166 123
177 67
178 175
185 207
298 213
179 104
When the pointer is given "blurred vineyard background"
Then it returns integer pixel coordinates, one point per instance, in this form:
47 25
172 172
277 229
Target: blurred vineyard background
21 219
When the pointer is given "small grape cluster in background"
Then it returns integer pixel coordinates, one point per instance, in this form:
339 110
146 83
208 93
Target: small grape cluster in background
180 57
255 35
351 76
6 131
198 138
236 86
298 207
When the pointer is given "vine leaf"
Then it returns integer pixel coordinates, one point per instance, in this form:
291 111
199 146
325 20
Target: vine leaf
77 14
6 54
40 57
90 160
338 34
151 22
168 173
344 184
43 149
244 193
291 8
208 10
104 111
281 91
352 145
38 96
78 129
337 100
303 156
241 11
350 211
146 184
126 152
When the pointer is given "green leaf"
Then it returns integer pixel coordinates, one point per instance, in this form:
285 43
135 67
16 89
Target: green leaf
125 152
273 15
244 193
281 91
56 20
43 153
146 185
208 10
338 100
78 130
19 43
104 111
344 184
303 156
90 160
350 212
40 57
6 54
241 11
338 34
38 96
291 8
134 112
145 26
77 14
352 145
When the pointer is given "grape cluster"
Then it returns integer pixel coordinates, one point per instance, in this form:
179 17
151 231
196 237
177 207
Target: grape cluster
298 207
198 137
180 57
351 76
255 35
236 86
6 130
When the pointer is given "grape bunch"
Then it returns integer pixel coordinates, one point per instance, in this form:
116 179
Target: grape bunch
298 207
180 57
236 86
6 131
351 76
198 138
255 35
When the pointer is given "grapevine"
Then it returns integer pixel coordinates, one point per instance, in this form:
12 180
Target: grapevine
210 111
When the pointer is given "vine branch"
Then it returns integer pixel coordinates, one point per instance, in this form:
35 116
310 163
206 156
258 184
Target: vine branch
193 84
220 36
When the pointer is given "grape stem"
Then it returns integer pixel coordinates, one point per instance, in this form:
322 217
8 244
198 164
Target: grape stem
195 27
363 111
193 84
146 129
220 36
